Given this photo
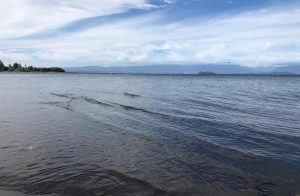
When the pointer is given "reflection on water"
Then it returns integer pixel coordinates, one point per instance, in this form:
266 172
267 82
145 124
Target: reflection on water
77 134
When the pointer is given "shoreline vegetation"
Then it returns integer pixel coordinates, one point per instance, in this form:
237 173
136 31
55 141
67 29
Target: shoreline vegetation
16 67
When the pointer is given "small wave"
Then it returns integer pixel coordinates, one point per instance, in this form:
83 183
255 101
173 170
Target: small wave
6 147
131 95
93 101
10 193
57 104
92 183
50 103
131 108
61 95
67 105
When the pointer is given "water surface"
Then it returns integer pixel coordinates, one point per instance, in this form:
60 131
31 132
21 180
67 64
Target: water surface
102 134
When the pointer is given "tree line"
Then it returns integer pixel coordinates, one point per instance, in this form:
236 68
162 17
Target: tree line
16 67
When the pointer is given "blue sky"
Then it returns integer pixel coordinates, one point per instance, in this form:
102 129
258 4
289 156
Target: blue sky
141 32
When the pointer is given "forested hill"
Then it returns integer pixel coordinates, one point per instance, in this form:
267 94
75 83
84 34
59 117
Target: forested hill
16 67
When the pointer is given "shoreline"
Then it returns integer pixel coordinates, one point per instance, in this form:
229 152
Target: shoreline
160 74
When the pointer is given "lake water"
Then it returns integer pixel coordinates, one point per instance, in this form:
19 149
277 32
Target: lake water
102 134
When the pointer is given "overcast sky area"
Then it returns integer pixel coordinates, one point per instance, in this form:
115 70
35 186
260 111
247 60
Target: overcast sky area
142 32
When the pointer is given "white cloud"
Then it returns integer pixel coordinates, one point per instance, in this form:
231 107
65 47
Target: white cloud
169 1
262 37
23 17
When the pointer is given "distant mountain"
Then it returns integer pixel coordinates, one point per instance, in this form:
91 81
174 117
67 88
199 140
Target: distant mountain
166 69
293 68
187 69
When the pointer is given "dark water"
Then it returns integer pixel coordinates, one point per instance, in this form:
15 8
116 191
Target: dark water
95 134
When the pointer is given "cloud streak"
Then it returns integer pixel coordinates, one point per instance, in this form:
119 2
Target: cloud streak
23 17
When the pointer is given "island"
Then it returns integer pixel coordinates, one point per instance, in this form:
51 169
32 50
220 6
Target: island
206 73
16 67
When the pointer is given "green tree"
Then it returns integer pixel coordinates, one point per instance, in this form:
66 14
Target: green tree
17 67
2 66
10 68
30 68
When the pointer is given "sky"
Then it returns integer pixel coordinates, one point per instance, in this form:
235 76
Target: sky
72 33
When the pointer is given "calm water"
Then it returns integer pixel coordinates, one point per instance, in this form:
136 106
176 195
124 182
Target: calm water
77 134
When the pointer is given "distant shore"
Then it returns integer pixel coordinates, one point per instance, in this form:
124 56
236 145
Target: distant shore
16 67
189 74
158 74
